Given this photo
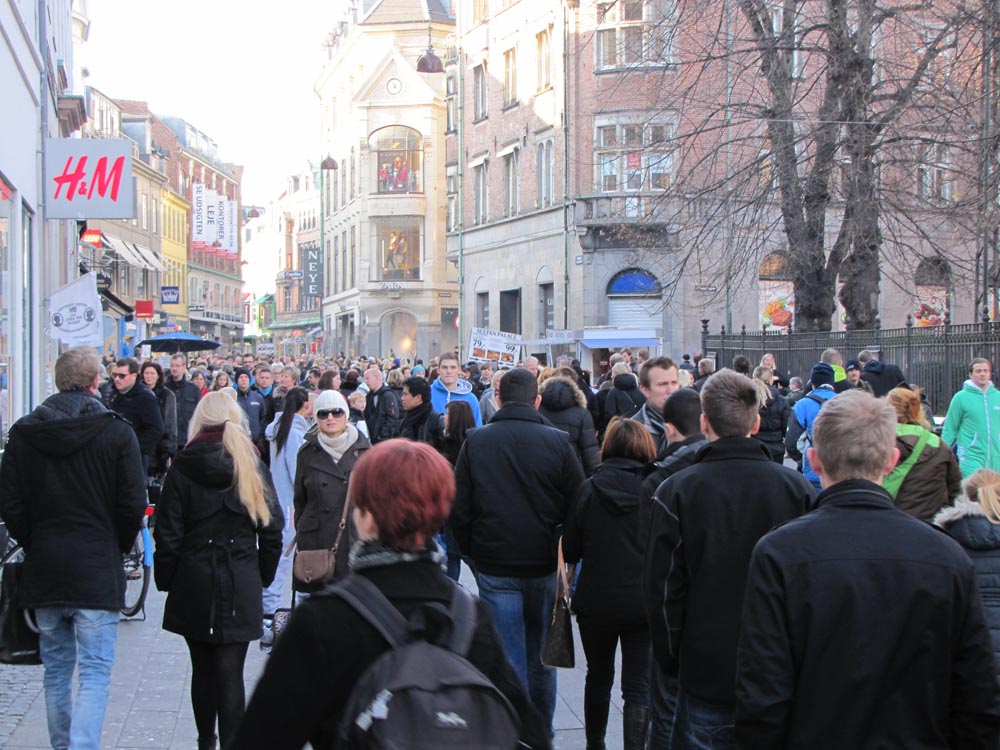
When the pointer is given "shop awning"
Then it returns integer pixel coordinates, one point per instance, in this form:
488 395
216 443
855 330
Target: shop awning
313 332
125 251
148 256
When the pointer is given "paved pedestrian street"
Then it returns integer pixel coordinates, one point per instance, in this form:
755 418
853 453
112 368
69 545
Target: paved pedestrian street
150 707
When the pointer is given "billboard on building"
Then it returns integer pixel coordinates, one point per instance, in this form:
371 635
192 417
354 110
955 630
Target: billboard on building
89 178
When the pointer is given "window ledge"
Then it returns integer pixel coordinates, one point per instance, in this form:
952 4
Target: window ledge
478 120
633 68
543 89
511 105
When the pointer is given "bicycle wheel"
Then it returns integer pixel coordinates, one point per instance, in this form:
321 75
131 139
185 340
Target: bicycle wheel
137 576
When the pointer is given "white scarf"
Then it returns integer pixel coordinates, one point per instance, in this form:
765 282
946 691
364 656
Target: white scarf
337 446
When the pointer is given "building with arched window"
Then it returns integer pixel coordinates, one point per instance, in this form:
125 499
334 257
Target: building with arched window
387 285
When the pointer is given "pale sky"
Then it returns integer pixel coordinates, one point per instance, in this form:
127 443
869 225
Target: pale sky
241 71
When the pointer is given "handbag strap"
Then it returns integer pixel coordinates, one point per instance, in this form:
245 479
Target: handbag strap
563 576
342 526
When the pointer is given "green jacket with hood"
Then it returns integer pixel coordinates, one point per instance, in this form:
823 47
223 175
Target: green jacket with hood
973 427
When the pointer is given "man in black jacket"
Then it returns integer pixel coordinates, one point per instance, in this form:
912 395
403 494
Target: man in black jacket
134 401
682 424
705 521
882 377
187 394
516 479
383 412
420 422
862 626
72 491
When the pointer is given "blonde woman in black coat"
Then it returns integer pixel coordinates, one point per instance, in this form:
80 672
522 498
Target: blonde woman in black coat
218 540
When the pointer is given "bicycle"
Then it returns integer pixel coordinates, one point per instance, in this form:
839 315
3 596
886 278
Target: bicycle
138 563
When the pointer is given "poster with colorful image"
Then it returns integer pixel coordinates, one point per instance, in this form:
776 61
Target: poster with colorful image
777 304
930 306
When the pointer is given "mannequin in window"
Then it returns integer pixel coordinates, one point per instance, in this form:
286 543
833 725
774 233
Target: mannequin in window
403 256
383 178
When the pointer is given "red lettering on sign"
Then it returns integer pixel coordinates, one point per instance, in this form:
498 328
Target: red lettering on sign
103 180
70 179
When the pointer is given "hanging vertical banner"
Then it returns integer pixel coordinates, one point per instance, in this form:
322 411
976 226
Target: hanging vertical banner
75 313
211 221
222 222
232 241
313 267
198 217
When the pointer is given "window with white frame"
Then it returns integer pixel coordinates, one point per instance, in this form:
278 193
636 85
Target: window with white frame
783 23
632 156
634 33
480 11
543 173
451 103
543 54
511 192
510 77
934 173
452 185
480 92
480 192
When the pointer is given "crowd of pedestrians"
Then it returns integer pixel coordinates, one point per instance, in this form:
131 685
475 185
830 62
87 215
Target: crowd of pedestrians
755 605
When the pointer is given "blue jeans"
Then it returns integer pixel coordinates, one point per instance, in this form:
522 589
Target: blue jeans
702 726
662 707
72 638
522 609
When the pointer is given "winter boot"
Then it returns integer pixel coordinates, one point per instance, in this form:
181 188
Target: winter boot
595 720
208 743
634 725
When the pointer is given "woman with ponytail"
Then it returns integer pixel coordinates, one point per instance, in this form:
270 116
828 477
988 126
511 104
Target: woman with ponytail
285 436
218 540
927 477
974 522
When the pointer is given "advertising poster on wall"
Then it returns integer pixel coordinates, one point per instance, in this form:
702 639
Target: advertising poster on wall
487 345
930 306
777 304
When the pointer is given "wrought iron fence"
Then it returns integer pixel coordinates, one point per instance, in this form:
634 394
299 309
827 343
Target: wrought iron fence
935 358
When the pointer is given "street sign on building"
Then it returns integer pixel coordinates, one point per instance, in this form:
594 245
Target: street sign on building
89 178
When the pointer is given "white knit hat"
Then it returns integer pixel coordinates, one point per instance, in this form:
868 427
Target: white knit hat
330 400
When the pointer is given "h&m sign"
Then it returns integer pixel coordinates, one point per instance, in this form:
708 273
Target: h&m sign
89 178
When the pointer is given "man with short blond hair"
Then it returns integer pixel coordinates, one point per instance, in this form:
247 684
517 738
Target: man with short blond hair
862 626
704 524
972 424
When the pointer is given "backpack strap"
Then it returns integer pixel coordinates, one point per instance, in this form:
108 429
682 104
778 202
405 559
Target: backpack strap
369 602
894 480
463 621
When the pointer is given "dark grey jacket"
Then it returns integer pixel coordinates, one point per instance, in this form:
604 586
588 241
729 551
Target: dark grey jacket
73 491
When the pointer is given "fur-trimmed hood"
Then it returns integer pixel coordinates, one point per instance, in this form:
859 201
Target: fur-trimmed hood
966 522
559 393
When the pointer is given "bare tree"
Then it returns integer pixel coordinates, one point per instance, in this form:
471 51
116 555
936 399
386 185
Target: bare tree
831 131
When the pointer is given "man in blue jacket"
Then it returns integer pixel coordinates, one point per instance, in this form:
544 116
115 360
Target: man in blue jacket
798 436
450 387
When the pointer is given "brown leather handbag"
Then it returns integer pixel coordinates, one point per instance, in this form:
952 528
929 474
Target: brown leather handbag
319 565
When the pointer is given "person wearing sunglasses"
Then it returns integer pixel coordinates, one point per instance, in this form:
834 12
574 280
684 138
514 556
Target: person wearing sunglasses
322 470
134 401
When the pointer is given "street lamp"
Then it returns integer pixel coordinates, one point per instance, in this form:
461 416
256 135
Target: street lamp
328 164
429 62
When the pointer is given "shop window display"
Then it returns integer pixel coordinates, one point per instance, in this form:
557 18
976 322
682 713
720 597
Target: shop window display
397 153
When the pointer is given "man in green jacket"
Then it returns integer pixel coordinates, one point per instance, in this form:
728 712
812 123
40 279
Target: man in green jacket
973 421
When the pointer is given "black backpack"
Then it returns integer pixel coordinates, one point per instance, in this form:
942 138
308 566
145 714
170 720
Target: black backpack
420 694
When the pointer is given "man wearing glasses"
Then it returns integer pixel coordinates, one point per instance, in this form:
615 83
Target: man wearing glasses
134 401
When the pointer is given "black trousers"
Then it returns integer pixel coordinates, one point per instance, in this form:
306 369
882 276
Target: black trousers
217 691
600 641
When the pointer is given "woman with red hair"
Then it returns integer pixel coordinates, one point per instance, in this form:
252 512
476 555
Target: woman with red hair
401 492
